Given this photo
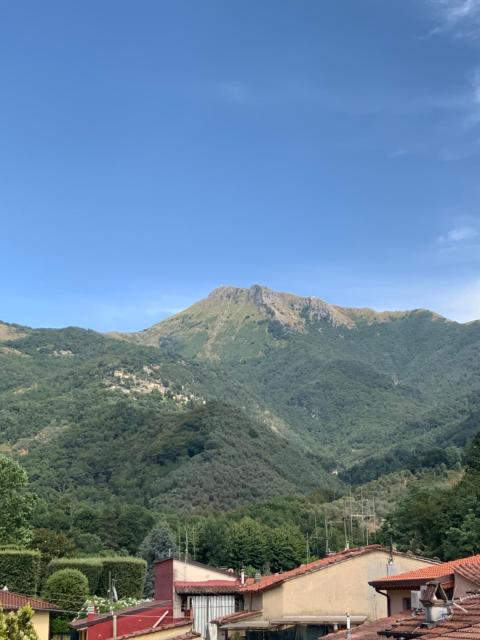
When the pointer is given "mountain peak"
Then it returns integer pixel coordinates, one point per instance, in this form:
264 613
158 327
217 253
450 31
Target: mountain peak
288 309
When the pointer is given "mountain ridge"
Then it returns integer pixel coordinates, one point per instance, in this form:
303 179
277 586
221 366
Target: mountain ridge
213 390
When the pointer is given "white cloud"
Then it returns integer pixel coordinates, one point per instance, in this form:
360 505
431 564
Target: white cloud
459 234
462 17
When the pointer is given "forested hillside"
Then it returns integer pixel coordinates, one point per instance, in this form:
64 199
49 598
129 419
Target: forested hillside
247 396
355 383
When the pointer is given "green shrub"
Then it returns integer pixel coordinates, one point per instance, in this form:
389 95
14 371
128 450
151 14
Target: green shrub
18 624
20 570
90 567
128 573
67 588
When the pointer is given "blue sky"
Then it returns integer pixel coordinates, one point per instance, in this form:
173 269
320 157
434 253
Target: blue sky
153 150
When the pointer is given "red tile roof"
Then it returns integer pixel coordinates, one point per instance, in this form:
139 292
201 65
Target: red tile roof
207 586
161 627
237 616
432 572
271 581
10 600
368 630
82 623
462 624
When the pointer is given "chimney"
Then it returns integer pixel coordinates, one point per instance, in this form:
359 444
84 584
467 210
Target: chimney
435 602
242 577
90 611
391 567
258 577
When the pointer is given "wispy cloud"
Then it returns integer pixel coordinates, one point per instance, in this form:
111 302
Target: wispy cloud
461 17
457 234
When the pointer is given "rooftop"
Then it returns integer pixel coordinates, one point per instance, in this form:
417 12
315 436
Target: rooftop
10 600
271 581
237 616
431 572
207 586
368 630
463 624
82 623
161 627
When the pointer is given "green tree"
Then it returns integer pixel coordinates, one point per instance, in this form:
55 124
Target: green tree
67 588
17 625
158 544
52 544
463 540
286 548
472 455
248 544
16 504
213 544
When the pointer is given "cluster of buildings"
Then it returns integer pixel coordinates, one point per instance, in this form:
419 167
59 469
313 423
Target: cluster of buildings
365 593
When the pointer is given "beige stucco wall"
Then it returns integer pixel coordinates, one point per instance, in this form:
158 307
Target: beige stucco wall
335 590
191 572
463 587
41 622
396 599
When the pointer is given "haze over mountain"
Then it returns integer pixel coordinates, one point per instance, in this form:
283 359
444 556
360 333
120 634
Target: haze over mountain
247 394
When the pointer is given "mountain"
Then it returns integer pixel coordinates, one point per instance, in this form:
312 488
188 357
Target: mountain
352 382
246 395
94 417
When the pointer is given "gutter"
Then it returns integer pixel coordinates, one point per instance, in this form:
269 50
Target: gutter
389 606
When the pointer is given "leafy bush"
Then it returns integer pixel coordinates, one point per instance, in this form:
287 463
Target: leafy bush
92 568
20 570
128 573
18 624
67 588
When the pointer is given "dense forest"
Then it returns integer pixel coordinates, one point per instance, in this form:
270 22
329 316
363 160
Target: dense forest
250 411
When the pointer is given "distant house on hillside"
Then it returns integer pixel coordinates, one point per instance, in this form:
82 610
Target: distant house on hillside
458 578
315 598
197 590
10 601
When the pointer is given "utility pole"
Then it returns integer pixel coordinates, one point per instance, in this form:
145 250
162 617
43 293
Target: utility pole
327 546
111 586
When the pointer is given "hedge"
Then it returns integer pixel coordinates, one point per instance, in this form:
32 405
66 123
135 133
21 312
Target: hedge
129 574
67 588
90 567
20 570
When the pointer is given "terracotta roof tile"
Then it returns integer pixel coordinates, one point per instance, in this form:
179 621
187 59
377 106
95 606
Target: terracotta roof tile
463 624
161 627
367 630
207 586
237 616
430 572
11 600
